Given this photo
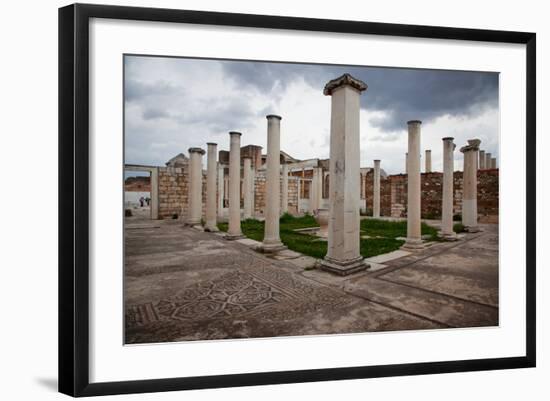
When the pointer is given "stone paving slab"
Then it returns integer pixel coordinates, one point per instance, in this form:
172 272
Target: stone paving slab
184 284
388 256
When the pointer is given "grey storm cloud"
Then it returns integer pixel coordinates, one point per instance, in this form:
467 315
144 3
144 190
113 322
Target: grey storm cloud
403 94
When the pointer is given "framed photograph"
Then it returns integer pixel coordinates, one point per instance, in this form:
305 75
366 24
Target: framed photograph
252 199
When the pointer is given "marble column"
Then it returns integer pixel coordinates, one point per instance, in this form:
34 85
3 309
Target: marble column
247 187
376 195
343 256
469 190
316 194
407 163
194 196
447 231
414 236
428 161
211 204
493 162
482 160
487 160
221 189
284 189
234 229
272 241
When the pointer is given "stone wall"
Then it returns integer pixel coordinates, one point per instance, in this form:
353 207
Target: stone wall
173 200
393 196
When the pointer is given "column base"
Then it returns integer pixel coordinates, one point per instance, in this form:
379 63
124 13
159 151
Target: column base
233 237
448 237
192 223
211 229
413 245
271 247
343 268
472 229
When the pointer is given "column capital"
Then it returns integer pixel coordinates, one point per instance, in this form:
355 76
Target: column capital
344 80
448 138
235 133
196 150
269 116
414 122
211 143
473 145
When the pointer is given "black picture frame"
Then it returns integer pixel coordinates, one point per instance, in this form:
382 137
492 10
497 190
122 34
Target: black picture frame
74 200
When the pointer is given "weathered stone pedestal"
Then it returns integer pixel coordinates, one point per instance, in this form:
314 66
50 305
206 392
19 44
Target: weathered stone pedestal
343 255
469 195
414 237
234 229
272 241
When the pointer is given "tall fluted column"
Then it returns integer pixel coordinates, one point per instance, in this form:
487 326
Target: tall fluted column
284 189
469 191
414 236
221 190
211 204
247 188
482 160
428 161
487 160
194 211
376 195
493 162
407 163
272 241
447 231
343 256
234 229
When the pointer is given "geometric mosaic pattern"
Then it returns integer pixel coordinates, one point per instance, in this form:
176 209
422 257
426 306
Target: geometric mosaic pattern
231 294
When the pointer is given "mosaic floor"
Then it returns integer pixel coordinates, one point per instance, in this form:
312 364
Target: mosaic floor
184 284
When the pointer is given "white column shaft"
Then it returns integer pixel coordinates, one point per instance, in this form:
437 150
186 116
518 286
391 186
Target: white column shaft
194 210
211 204
247 187
234 229
448 188
413 185
284 189
273 189
376 190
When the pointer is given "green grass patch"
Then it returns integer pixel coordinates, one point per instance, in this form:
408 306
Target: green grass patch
393 229
311 245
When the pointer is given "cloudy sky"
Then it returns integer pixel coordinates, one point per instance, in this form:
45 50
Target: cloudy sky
172 104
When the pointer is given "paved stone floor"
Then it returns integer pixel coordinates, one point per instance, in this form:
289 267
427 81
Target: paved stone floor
184 284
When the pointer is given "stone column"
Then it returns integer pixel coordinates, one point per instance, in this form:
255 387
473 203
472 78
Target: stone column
234 229
272 241
428 161
194 195
482 160
221 190
469 190
247 188
343 256
211 204
493 162
284 189
487 160
448 190
155 193
407 163
376 195
414 236
316 194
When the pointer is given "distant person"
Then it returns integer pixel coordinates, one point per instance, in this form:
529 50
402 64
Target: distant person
148 200
141 201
